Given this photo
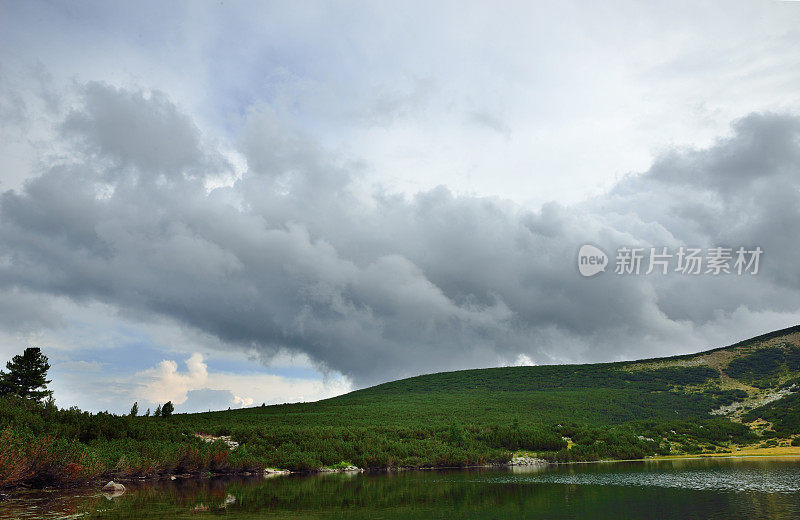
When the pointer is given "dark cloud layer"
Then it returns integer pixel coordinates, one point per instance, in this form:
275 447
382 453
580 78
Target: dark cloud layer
292 257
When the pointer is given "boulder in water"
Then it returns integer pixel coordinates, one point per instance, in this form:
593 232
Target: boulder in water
113 487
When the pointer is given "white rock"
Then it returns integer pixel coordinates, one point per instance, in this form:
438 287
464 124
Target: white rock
271 472
527 461
114 487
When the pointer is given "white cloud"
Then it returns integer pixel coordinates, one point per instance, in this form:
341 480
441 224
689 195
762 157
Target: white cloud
166 382
242 401
523 360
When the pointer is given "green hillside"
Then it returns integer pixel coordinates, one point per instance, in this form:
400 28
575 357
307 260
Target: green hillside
711 402
608 410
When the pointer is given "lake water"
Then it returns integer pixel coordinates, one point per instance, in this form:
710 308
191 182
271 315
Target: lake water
674 489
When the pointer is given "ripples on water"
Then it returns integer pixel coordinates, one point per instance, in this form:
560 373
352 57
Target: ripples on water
765 478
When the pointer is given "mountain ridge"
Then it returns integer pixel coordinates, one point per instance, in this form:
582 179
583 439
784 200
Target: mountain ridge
646 364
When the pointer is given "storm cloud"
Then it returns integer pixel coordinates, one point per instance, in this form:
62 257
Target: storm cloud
289 256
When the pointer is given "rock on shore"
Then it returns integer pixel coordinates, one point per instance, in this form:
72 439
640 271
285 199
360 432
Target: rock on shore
522 460
345 469
232 444
112 490
113 487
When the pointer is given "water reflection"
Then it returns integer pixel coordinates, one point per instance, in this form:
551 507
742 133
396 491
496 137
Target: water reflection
733 475
680 489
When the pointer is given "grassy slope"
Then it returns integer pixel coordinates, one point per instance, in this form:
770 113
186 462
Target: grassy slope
666 399
611 410
596 393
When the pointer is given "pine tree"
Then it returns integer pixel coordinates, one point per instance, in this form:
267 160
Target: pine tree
6 387
27 375
135 409
147 413
157 413
167 410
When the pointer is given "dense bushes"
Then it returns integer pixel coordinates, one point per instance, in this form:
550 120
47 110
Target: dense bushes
46 418
43 460
758 364
514 438
716 430
42 445
724 397
763 367
549 377
784 414
309 447
593 443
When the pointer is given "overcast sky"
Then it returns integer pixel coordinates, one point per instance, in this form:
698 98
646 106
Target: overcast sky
229 203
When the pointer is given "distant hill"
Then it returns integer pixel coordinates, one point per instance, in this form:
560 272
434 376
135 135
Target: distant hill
782 346
706 402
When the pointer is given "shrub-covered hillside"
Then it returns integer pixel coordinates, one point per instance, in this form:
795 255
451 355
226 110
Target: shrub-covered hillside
707 402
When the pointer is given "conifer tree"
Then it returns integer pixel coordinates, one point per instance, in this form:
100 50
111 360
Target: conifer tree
27 375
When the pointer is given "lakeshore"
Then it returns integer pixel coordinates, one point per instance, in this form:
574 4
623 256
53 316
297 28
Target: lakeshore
676 489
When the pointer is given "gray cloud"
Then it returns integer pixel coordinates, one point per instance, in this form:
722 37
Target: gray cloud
292 257
138 133
762 146
24 312
741 191
490 121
